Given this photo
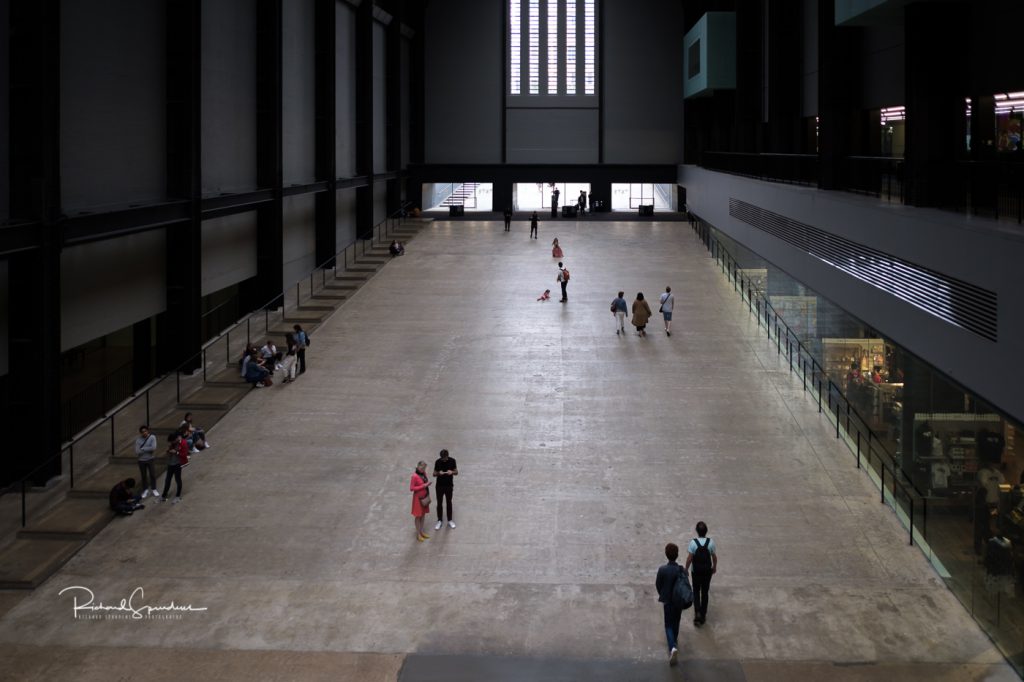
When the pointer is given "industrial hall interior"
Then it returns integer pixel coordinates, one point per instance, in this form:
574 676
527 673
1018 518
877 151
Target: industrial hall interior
709 311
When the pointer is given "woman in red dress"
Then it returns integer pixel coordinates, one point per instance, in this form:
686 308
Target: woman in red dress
556 250
420 487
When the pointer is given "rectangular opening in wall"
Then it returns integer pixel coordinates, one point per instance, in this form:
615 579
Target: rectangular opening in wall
537 196
471 196
630 196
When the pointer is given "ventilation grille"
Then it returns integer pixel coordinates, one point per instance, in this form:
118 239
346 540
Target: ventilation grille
954 301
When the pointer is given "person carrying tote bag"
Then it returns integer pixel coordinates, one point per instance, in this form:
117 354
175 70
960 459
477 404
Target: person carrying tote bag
419 484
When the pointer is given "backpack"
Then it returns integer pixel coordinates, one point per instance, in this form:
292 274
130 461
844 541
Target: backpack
682 593
565 274
702 557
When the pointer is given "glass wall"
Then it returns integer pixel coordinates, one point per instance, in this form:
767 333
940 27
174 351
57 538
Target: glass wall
629 196
949 464
536 196
472 196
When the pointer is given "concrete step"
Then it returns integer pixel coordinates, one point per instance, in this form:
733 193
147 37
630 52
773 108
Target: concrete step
343 285
333 295
98 485
215 398
72 519
368 268
316 307
27 562
350 277
303 316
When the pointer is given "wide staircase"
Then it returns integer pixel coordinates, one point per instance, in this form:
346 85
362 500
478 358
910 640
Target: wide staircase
63 520
463 195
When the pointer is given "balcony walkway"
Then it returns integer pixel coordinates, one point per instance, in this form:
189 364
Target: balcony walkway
581 453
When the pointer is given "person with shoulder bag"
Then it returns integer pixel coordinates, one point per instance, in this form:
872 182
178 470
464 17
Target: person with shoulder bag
420 487
619 310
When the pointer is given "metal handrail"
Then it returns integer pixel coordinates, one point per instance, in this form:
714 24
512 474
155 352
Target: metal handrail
377 232
758 302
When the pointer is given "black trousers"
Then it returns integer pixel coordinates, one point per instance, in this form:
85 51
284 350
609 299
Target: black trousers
444 494
508 223
533 230
302 360
701 586
565 294
175 471
147 472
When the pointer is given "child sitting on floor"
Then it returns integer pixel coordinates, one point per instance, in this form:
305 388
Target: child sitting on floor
545 296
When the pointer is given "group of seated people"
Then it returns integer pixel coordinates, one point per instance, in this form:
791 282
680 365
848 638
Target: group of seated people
397 248
258 364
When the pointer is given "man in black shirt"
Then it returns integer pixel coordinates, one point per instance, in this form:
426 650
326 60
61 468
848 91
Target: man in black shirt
445 472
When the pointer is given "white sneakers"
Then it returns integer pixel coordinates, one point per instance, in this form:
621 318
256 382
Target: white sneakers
176 500
451 524
437 526
145 494
155 493
672 656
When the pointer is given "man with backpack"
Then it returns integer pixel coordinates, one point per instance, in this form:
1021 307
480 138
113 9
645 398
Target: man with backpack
563 280
668 575
704 559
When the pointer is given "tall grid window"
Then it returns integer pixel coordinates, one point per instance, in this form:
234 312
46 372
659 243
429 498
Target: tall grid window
589 47
570 47
515 40
544 35
552 47
534 47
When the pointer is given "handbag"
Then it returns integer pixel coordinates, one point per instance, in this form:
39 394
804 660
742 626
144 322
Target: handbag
613 307
425 500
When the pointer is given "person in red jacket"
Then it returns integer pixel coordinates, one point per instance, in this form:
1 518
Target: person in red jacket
420 487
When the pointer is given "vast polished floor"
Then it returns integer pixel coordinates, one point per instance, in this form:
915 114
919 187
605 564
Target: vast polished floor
581 453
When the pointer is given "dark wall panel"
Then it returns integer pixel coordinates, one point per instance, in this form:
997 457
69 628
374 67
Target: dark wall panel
810 58
404 99
5 206
883 57
345 222
380 159
299 93
464 82
552 136
5 325
109 285
299 237
345 91
643 80
112 102
229 251
229 96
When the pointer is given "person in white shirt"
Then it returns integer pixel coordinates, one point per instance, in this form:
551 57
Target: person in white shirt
667 302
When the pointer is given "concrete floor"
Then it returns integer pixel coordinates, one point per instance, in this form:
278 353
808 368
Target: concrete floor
581 453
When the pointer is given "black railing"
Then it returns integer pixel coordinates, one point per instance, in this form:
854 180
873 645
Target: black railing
878 176
895 487
798 169
165 391
85 406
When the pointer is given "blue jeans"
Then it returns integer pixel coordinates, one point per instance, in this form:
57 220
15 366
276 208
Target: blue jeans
672 617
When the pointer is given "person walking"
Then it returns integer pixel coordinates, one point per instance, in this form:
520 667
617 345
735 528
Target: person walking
420 487
563 281
533 224
554 203
704 559
641 314
619 311
508 219
177 457
303 342
145 449
667 302
445 471
664 584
